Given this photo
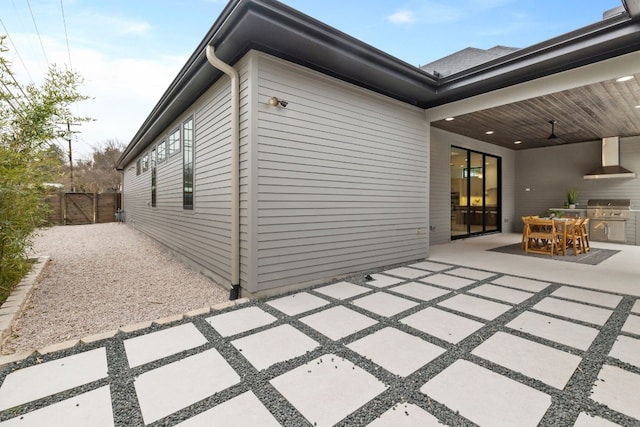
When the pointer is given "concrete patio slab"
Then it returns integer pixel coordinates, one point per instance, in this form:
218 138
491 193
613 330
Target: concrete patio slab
474 306
444 325
574 310
480 394
26 385
420 291
618 389
245 410
396 351
243 320
636 307
338 322
156 345
274 345
560 331
501 293
384 304
327 382
543 363
177 385
295 304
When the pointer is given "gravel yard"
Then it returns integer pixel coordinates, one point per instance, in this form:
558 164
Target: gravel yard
101 277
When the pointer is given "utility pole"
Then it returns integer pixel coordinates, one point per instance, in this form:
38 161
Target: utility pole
73 186
69 134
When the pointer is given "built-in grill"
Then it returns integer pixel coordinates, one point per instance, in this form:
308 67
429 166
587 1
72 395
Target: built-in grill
608 219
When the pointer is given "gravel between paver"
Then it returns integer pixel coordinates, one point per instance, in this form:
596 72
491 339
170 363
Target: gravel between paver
102 277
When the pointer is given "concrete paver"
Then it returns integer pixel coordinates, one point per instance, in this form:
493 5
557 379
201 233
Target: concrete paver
327 382
501 293
245 319
156 345
448 281
560 331
382 280
338 322
585 295
168 388
538 361
420 291
27 384
398 352
384 304
479 394
626 349
406 415
444 325
342 290
574 310
92 408
480 346
298 303
274 345
474 306
618 389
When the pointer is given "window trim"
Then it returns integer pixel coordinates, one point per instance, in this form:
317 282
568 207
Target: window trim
154 190
173 142
161 152
188 162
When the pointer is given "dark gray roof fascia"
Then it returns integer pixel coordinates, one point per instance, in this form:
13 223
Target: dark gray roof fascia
276 29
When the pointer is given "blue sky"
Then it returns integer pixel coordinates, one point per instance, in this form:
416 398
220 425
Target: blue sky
129 51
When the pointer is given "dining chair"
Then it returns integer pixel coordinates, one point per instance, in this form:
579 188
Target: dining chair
569 235
524 228
584 232
541 236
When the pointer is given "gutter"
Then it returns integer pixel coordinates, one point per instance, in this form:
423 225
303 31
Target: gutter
235 167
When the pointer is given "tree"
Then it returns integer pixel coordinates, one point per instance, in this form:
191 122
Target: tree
99 174
28 158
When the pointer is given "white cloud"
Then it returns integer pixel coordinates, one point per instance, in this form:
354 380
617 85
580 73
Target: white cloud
403 16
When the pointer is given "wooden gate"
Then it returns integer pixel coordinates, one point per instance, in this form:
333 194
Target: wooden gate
83 208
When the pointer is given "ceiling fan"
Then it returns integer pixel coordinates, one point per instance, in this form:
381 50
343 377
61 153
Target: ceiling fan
553 128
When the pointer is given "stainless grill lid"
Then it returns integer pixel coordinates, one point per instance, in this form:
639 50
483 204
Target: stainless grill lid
609 203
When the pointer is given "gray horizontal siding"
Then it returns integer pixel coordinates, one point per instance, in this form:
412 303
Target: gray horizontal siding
342 181
200 236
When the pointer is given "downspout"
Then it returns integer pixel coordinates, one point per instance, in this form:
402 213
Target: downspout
235 168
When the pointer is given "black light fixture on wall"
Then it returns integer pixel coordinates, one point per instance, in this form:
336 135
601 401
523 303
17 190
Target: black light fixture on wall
553 128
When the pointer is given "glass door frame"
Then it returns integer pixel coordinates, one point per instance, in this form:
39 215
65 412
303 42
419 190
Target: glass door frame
489 218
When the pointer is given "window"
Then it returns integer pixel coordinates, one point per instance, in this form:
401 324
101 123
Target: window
174 143
138 167
161 151
153 177
187 164
145 162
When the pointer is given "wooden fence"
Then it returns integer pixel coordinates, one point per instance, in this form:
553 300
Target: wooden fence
83 208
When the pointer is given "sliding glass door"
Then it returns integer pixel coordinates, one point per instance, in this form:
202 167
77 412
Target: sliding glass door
475 193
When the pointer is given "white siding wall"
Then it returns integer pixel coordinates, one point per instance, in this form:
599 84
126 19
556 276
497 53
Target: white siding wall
200 236
440 195
343 178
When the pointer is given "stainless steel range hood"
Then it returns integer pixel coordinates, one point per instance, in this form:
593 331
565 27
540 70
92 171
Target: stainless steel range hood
610 167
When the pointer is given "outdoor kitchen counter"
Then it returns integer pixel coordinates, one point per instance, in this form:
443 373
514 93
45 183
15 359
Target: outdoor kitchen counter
580 212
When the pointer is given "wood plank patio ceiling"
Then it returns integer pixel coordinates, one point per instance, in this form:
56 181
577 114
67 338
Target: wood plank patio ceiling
583 114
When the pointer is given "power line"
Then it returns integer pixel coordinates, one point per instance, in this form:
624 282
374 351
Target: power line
66 36
15 49
33 18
